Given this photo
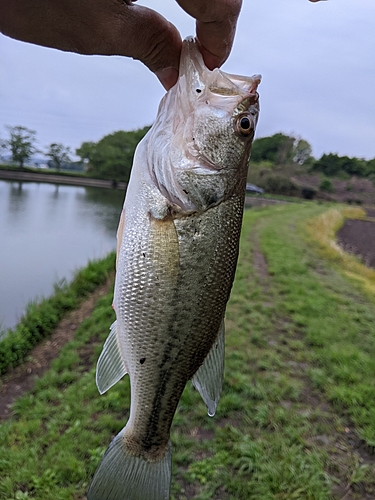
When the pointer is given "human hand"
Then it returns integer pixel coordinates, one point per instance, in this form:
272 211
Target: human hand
120 27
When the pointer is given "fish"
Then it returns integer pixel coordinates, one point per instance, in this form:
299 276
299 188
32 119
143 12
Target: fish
178 240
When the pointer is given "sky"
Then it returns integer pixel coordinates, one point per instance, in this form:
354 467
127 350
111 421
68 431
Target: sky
317 61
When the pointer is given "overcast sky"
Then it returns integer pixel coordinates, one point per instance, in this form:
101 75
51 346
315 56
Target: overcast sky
317 61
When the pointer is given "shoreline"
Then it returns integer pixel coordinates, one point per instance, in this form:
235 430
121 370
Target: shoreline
60 179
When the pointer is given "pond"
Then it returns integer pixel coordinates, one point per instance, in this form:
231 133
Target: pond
48 231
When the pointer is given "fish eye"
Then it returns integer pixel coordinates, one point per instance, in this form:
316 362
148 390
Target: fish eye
245 125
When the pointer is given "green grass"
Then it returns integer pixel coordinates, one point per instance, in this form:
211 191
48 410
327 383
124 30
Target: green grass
298 386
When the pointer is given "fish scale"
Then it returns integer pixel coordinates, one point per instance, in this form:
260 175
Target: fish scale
178 244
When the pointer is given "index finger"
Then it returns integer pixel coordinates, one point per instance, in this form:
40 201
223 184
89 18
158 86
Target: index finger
215 26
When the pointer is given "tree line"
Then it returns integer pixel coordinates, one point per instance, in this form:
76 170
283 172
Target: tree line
112 156
21 146
281 150
109 158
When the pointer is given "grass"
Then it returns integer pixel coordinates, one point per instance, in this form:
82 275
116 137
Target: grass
323 228
298 406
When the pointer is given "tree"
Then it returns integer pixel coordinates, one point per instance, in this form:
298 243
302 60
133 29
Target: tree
332 164
353 166
302 151
281 149
3 147
370 167
112 156
21 144
58 154
277 149
328 164
86 151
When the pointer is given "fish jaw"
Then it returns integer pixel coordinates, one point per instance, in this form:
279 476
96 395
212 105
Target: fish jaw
195 77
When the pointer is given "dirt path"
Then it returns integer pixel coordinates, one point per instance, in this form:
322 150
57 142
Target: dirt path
22 379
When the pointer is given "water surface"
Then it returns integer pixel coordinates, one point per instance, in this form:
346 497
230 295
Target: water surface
47 231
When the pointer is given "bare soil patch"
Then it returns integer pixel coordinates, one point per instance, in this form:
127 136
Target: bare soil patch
358 237
22 379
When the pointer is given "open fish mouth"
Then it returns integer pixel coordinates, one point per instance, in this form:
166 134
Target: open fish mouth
196 77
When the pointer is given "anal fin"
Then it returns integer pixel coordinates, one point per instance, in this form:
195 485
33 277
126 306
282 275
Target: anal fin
110 367
208 379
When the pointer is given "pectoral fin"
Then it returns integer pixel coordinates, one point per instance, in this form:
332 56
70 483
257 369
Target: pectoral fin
111 367
208 379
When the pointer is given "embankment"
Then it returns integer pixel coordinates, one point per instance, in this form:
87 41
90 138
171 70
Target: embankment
41 318
60 179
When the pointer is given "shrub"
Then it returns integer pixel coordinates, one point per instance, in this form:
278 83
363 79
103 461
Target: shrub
326 185
353 201
308 193
278 184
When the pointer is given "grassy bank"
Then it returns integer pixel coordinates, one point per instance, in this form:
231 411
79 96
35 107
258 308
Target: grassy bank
296 417
41 318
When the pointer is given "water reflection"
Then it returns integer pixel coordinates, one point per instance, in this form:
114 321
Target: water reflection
46 232
17 201
94 202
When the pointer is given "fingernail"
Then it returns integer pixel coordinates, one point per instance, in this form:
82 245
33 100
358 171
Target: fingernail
168 77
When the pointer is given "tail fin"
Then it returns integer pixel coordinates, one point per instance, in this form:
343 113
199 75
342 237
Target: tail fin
120 476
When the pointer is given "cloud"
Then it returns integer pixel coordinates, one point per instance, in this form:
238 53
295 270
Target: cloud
317 62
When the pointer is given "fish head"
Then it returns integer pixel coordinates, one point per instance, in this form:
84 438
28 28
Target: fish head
206 123
215 123
219 113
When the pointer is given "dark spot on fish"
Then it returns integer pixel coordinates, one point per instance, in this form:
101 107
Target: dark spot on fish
144 255
142 360
186 192
198 91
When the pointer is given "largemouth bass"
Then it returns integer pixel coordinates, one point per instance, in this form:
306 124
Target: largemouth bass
177 252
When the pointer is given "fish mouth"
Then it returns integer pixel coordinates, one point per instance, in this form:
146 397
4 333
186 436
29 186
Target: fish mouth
195 77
